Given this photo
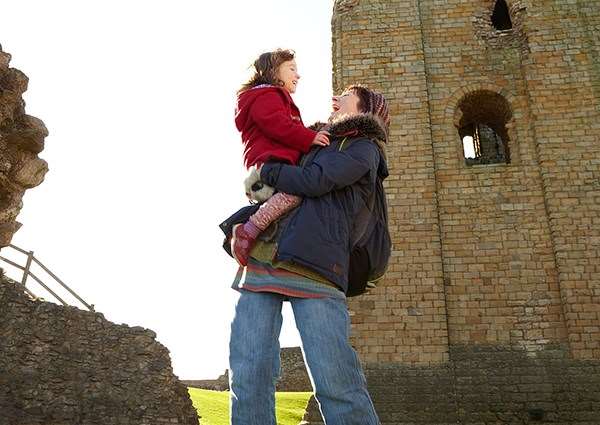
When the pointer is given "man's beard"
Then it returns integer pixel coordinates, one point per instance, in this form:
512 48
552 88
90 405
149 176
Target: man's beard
337 115
333 116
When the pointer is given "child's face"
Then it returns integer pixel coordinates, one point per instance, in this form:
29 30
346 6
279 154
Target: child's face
288 74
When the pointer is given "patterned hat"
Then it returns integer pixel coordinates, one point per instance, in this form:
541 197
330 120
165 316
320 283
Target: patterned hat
372 102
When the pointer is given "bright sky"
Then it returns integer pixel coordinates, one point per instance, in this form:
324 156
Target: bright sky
144 157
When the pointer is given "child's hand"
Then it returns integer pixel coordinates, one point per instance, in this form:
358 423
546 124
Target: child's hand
321 139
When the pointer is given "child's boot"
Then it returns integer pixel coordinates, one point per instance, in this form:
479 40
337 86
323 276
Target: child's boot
242 242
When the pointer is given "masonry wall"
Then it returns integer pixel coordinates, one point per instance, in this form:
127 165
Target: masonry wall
62 366
500 273
489 311
380 44
563 81
499 253
293 376
485 384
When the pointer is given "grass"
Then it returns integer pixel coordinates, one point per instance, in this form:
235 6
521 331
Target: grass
213 406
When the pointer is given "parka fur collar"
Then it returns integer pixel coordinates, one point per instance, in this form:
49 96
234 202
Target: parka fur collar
361 125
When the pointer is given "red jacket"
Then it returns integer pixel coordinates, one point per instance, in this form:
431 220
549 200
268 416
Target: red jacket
271 126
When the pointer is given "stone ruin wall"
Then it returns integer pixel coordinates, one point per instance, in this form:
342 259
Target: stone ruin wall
64 366
490 312
293 375
21 140
219 384
60 365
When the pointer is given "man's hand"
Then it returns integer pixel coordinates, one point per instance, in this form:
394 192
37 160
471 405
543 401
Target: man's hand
321 139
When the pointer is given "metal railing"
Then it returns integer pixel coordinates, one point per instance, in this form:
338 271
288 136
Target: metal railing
27 272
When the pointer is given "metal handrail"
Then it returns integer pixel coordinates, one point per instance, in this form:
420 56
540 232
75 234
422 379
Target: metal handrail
27 272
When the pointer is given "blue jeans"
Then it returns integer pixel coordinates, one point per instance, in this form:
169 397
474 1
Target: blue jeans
336 374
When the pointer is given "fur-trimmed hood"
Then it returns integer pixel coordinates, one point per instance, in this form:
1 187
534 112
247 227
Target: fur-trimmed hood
362 125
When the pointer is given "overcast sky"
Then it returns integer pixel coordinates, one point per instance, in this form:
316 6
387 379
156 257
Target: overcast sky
144 157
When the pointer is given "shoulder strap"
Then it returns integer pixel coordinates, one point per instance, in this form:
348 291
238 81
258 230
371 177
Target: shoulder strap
363 219
341 146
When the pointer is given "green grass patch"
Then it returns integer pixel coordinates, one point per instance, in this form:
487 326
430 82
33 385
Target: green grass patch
213 406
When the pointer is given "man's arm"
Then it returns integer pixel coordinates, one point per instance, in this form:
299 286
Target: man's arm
331 171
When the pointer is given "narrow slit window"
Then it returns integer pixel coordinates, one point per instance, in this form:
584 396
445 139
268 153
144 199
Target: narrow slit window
501 16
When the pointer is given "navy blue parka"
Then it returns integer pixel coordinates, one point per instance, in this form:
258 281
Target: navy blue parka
335 182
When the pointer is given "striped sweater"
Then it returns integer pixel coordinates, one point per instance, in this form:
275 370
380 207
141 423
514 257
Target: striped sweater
264 275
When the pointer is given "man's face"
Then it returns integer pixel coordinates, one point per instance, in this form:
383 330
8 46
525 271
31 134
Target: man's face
345 104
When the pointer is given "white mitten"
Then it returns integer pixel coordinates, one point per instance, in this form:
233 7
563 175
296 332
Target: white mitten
255 189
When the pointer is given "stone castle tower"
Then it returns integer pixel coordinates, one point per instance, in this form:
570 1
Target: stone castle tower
490 311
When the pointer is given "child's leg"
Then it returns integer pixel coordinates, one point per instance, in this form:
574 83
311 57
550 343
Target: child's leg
277 205
244 236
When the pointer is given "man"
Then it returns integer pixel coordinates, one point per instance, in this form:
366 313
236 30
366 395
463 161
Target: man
306 263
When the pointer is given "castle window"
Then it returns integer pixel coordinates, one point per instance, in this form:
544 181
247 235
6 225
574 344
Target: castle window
482 128
501 16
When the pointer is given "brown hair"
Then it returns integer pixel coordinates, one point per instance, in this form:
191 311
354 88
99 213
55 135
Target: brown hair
265 68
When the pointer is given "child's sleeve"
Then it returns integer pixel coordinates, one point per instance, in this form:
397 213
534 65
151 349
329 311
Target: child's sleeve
269 112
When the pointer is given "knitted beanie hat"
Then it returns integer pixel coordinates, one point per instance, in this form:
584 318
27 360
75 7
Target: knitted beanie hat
372 102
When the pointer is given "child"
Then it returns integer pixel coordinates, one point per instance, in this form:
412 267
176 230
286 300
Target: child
272 130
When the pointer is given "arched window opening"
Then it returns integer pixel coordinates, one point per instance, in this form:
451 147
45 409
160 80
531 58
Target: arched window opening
482 128
501 16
